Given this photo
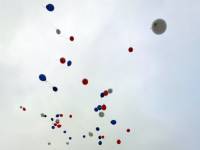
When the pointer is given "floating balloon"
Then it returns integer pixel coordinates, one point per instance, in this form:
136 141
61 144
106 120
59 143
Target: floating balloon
53 127
84 136
100 142
103 107
101 114
49 143
130 49
59 125
102 95
110 91
99 137
113 122
67 143
128 130
97 129
71 38
99 107
62 60
105 93
58 31
69 63
61 115
159 26
55 89
42 77
70 138
85 81
70 116
118 141
64 131
90 134
24 109
50 7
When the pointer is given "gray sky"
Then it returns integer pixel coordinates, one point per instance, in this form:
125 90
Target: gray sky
155 88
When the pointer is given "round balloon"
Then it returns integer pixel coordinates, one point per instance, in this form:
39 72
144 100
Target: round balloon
101 114
159 26
58 31
42 77
50 7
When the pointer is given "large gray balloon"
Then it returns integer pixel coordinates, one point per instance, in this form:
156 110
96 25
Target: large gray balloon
101 114
159 26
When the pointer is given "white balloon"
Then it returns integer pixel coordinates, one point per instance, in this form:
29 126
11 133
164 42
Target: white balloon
159 26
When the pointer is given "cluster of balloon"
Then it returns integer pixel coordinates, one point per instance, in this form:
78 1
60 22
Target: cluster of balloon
106 93
22 108
159 26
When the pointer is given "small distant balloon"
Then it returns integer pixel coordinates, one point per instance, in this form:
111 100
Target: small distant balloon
58 31
62 60
118 141
105 93
55 89
100 142
85 81
113 122
67 143
90 134
130 49
128 130
110 91
42 77
97 129
103 107
69 63
101 114
49 143
159 26
50 7
71 38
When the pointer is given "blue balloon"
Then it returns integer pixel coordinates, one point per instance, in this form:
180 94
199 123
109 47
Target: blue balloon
99 107
55 89
50 7
69 63
113 122
100 142
97 129
42 77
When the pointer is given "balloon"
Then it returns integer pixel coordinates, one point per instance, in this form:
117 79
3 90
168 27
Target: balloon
64 131
103 107
70 138
100 142
105 93
84 136
159 26
49 143
130 49
90 134
71 38
101 114
42 77
102 95
53 127
69 63
113 122
58 31
118 141
97 129
55 89
50 7
85 81
110 91
62 60
99 137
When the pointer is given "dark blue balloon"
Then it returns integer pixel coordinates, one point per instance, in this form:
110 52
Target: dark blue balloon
42 77
69 63
100 142
102 95
53 127
50 7
64 131
57 115
55 89
96 109
97 128
113 122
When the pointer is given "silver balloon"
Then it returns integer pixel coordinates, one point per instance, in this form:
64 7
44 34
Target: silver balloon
101 114
110 91
159 26
58 31
90 134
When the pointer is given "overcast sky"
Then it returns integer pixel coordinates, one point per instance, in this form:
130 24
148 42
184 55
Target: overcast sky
155 88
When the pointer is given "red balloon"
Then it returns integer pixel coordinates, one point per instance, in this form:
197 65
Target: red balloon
85 81
128 130
118 141
103 107
62 60
71 38
105 93
59 125
130 49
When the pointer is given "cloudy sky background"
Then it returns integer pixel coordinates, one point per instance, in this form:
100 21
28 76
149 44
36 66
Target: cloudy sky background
155 88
